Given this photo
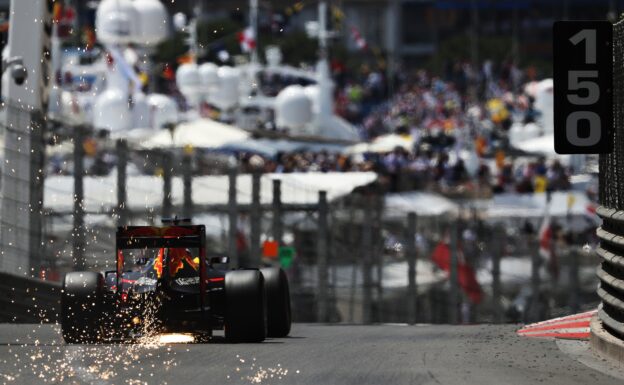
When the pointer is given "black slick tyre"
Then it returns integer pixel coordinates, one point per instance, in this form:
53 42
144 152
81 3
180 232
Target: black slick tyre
245 318
81 307
278 302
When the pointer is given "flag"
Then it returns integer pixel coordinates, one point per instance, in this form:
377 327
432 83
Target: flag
187 58
247 39
57 12
117 58
69 14
88 37
270 249
441 256
241 242
298 7
360 42
545 238
63 14
546 246
168 72
337 16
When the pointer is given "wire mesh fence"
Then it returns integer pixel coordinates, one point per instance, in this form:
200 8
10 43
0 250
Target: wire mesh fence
20 223
611 177
355 260
611 174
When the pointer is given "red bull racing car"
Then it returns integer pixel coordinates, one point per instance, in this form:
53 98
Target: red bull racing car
164 282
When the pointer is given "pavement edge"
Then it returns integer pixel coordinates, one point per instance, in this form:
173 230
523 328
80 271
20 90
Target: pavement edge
604 343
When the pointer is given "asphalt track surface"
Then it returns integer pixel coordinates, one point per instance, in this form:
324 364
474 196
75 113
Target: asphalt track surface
314 354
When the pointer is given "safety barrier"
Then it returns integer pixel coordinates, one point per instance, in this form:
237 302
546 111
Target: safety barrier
611 270
26 299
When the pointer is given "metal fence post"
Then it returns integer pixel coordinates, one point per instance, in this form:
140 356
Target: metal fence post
232 218
574 280
497 253
167 207
277 211
78 239
378 256
354 245
453 277
536 262
187 170
367 279
255 221
122 162
321 258
410 254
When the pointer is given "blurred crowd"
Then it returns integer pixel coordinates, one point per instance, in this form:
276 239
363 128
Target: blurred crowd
458 125
401 170
453 130
424 103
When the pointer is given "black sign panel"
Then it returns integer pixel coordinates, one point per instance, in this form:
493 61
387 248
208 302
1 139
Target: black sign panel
583 87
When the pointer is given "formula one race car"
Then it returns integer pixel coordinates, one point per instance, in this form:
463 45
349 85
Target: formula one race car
165 283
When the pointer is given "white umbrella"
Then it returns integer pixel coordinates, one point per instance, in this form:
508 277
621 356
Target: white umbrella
544 145
424 204
382 144
201 133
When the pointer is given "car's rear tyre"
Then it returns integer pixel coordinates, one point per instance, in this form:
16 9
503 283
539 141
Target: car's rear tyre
245 317
278 302
81 307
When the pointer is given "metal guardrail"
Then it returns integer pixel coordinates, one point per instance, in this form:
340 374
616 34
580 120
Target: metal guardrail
611 270
25 299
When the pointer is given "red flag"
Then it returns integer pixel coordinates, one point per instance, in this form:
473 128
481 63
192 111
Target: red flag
468 282
546 246
360 42
545 239
270 249
69 14
441 256
88 37
247 39
168 72
241 242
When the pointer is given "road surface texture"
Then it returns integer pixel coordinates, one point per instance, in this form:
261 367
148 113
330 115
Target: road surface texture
314 354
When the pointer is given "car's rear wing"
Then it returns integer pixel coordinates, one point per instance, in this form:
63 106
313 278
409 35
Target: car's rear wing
139 237
176 236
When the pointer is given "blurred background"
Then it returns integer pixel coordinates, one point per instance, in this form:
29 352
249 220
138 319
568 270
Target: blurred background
395 157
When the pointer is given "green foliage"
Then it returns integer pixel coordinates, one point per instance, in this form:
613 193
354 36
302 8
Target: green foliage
169 50
219 34
210 34
214 30
296 47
